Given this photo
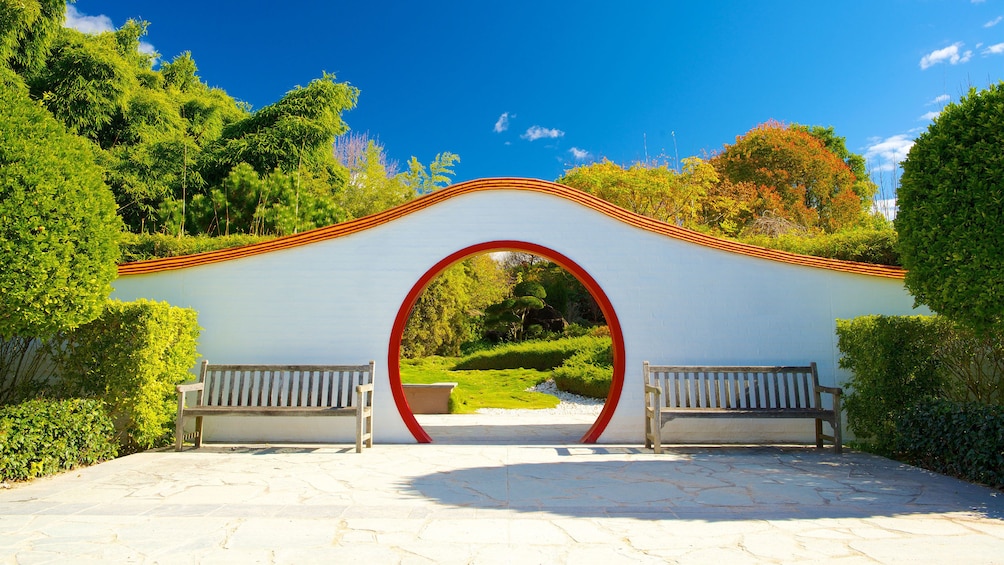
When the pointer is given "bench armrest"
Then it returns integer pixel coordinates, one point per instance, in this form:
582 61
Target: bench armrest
655 389
188 387
834 390
368 387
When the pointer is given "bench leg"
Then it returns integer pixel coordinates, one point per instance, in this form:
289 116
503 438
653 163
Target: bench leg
198 432
819 433
179 431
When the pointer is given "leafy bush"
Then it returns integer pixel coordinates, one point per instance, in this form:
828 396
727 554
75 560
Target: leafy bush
965 440
43 437
142 247
950 206
589 372
865 245
131 357
539 355
893 365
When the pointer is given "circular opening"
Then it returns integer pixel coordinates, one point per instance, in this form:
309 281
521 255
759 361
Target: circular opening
394 359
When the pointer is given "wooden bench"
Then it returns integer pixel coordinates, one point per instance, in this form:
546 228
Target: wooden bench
737 392
280 390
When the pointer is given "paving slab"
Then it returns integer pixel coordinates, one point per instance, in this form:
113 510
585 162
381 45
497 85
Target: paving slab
470 501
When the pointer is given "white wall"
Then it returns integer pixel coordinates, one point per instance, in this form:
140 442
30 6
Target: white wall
335 302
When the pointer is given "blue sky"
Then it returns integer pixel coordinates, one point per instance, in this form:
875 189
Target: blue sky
531 88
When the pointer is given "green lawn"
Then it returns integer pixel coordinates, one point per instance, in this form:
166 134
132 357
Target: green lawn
480 389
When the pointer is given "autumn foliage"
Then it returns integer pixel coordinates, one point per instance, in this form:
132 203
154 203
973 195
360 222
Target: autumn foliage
786 172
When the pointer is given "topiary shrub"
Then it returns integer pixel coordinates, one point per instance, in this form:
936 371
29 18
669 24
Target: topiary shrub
865 245
131 357
539 355
965 440
143 247
951 201
43 437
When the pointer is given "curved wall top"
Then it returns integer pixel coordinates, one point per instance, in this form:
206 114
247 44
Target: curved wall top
336 294
481 185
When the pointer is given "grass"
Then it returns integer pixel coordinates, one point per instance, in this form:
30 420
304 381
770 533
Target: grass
500 388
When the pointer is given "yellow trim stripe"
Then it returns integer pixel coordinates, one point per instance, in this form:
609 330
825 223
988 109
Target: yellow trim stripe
482 185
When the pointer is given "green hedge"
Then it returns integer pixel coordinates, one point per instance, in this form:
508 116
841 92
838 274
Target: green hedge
589 372
539 355
893 364
131 357
965 440
43 437
141 247
865 245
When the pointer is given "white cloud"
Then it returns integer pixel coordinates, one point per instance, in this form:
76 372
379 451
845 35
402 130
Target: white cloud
996 49
886 154
86 24
579 154
503 122
930 116
941 99
994 21
951 54
536 132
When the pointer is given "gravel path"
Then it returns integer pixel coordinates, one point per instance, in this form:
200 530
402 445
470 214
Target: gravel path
569 403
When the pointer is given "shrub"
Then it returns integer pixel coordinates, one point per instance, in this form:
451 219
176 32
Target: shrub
950 205
539 355
893 365
142 247
131 357
965 440
43 437
865 245
589 372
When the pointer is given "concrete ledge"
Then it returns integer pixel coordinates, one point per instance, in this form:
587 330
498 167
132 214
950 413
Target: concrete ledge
431 398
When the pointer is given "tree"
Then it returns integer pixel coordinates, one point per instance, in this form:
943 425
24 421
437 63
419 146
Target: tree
438 176
447 312
951 201
58 231
26 31
796 178
649 189
508 317
373 184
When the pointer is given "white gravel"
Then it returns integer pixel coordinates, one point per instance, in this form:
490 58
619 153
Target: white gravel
569 403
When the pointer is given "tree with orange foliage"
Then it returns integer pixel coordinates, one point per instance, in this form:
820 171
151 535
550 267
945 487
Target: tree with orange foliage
787 172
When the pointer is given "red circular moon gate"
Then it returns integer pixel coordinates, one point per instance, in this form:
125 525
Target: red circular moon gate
394 351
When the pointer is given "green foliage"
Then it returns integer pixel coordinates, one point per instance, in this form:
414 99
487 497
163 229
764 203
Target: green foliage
373 184
893 365
480 389
26 31
43 437
131 357
589 372
649 189
420 181
965 440
866 245
972 362
508 317
295 132
951 201
539 355
58 228
446 313
142 247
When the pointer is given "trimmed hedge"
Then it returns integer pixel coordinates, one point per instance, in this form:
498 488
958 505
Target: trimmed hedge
865 245
894 367
539 355
965 440
141 247
43 437
587 373
131 357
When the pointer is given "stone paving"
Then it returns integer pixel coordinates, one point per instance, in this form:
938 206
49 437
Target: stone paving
465 501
